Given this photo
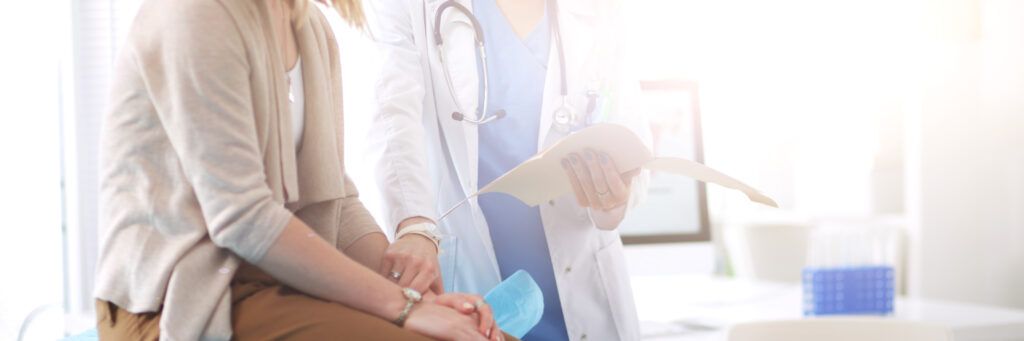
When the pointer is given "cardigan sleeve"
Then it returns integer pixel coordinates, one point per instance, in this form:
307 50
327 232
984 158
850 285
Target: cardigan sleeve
197 73
356 220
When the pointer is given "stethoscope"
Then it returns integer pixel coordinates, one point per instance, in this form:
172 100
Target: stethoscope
564 116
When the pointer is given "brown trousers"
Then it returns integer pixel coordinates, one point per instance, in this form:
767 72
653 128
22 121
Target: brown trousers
264 309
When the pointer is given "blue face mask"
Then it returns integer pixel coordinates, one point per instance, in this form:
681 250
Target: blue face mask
517 303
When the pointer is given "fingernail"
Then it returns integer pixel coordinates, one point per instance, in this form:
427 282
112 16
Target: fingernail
604 158
565 163
590 155
467 305
575 159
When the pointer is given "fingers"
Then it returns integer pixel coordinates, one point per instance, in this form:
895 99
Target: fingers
438 285
486 318
462 303
599 179
421 282
426 273
399 270
462 329
415 262
469 335
429 297
586 182
581 197
497 334
473 305
386 264
617 187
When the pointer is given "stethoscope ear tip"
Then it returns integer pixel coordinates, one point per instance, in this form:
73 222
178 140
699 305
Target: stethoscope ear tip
499 114
457 116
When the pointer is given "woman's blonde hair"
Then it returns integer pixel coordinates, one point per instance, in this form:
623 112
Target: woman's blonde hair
350 10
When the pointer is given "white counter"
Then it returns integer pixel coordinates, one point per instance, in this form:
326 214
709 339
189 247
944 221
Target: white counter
696 307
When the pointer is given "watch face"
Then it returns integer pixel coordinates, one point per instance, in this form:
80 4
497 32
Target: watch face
412 294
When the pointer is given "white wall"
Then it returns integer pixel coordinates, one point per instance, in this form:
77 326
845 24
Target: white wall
98 29
30 173
965 190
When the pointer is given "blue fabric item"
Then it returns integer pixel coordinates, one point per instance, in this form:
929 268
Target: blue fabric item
517 69
89 335
517 303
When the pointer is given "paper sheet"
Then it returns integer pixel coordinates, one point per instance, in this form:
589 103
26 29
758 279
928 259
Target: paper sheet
541 178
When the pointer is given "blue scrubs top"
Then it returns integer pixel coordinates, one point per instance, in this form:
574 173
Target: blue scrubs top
517 69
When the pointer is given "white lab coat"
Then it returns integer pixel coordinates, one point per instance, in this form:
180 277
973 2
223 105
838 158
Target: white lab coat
427 162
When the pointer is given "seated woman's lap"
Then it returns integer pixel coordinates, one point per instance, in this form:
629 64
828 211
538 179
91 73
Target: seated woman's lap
274 312
263 309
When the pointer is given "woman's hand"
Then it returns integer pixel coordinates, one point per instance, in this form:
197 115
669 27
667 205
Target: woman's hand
439 321
474 306
411 261
599 185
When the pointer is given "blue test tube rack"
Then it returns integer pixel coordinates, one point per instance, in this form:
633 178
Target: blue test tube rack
848 290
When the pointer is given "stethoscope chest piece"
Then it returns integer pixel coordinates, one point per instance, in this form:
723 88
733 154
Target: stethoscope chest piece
564 118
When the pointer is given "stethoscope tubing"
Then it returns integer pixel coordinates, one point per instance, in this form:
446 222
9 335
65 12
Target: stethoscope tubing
563 116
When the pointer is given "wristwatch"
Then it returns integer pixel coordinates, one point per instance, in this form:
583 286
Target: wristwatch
427 230
411 298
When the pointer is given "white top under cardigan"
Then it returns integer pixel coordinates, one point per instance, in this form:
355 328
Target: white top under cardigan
298 103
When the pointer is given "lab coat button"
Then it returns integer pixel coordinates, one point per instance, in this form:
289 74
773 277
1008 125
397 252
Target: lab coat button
551 202
568 269
583 337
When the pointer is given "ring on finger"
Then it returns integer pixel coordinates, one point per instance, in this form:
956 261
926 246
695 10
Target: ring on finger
396 275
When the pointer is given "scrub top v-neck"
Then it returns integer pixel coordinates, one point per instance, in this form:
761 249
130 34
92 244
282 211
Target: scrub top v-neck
517 69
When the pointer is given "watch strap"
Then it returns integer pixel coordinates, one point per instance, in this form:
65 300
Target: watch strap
411 298
427 230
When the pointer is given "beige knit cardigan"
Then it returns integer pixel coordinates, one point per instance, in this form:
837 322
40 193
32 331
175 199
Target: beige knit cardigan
198 166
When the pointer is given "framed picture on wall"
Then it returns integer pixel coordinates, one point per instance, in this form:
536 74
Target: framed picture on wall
676 207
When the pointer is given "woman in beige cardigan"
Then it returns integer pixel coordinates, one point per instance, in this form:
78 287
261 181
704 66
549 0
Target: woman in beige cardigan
227 207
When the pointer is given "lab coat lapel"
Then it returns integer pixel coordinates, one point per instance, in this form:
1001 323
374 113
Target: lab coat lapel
578 23
459 43
461 137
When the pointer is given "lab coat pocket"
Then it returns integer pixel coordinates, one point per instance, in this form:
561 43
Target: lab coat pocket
612 264
447 259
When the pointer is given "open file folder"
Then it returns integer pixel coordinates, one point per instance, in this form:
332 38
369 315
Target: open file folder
541 178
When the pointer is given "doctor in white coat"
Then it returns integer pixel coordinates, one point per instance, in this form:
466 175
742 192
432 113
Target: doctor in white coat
432 152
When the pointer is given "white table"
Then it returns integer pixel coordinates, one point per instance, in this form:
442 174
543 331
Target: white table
699 307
